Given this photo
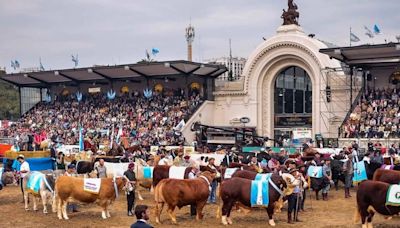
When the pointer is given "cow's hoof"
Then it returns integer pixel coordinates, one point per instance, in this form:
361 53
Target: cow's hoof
27 209
224 221
229 220
271 222
45 212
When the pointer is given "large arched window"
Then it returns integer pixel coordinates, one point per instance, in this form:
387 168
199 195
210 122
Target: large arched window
293 93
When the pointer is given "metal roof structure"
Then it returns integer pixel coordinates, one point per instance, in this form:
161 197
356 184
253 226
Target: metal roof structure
367 56
107 74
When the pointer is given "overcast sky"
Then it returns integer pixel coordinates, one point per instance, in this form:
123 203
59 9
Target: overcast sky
112 32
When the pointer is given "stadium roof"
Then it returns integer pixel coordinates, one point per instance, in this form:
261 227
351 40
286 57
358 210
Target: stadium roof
367 56
132 72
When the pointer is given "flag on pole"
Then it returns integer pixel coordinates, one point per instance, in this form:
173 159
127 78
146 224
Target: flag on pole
354 38
14 64
81 146
155 51
41 65
377 31
119 135
368 32
75 60
180 125
112 136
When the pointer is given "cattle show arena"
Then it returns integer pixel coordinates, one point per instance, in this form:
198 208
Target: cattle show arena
336 213
301 133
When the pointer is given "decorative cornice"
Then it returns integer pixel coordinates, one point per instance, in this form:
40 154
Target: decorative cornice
261 54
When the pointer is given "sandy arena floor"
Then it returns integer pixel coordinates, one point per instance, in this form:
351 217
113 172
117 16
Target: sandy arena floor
337 212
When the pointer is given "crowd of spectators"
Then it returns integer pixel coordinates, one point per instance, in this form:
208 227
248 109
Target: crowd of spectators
377 115
144 121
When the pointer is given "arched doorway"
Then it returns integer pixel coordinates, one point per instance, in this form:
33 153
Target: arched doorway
292 104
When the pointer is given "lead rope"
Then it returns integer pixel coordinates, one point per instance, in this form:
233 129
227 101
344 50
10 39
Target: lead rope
276 187
47 184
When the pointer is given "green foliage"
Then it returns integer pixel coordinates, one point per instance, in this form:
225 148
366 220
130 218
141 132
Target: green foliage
9 102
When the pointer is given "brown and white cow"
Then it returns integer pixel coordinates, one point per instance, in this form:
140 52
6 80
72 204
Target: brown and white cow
45 191
68 188
179 193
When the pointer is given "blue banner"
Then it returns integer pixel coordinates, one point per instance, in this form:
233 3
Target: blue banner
148 172
259 194
263 176
360 174
315 171
35 164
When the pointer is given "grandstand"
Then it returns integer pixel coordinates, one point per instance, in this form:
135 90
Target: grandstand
374 113
151 102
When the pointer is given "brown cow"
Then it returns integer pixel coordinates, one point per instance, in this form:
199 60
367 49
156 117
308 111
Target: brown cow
371 198
387 176
72 187
239 189
161 172
179 193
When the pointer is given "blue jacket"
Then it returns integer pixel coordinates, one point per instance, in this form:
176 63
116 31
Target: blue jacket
140 224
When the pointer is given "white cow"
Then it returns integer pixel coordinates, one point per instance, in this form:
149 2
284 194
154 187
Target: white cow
45 191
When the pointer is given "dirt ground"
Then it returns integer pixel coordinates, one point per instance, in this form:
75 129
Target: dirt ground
337 212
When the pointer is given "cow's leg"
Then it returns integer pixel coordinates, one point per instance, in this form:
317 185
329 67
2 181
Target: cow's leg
226 211
270 211
199 209
316 195
54 203
43 195
369 219
171 213
34 203
107 211
26 200
139 195
64 209
159 208
59 209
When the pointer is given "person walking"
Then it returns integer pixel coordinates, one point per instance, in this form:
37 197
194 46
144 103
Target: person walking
130 191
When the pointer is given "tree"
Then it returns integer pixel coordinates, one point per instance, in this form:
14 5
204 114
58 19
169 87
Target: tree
9 102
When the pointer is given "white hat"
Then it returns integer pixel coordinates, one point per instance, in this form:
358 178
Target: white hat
282 149
21 156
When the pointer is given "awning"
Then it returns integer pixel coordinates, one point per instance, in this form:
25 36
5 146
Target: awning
367 56
138 71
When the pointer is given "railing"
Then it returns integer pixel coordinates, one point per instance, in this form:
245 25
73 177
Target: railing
353 106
